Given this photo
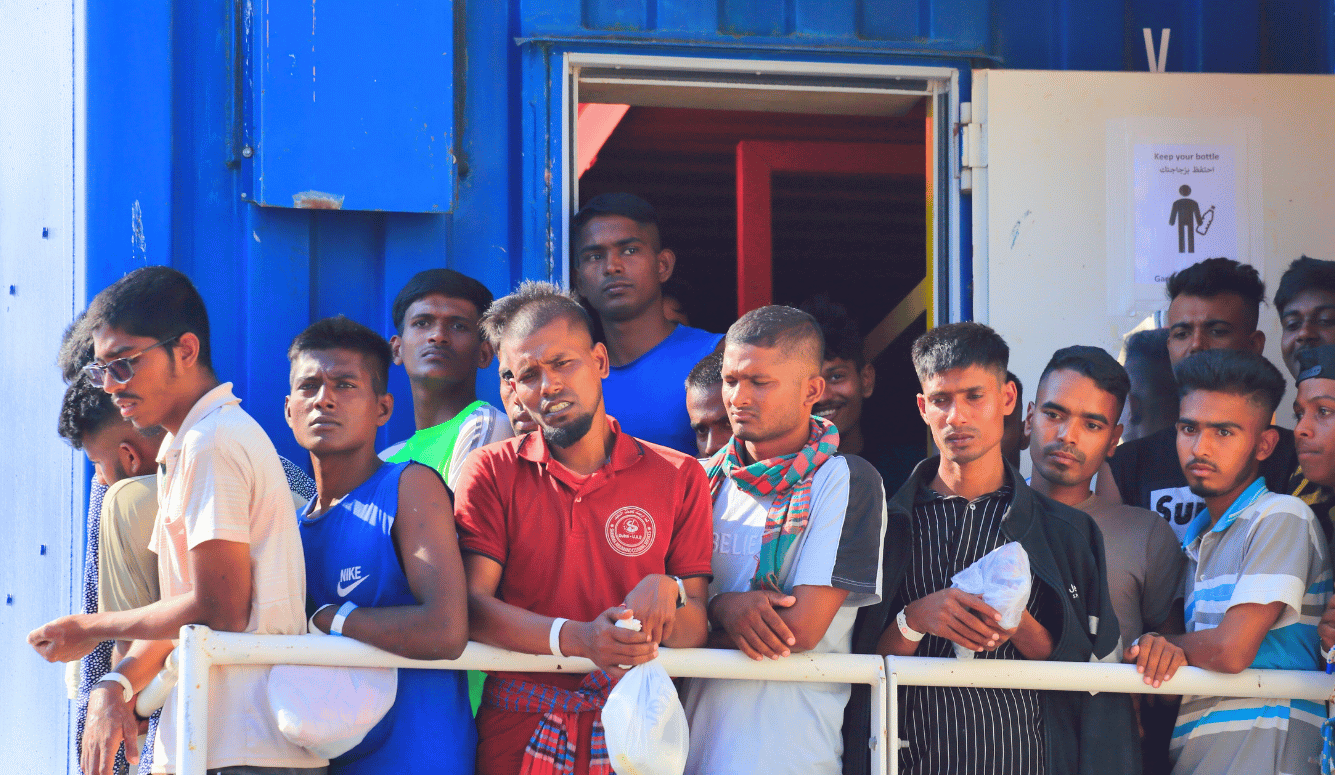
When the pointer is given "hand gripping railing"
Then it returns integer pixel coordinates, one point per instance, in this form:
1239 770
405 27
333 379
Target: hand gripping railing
201 648
1092 677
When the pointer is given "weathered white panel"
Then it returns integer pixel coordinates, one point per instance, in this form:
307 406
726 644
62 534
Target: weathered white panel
41 531
1045 279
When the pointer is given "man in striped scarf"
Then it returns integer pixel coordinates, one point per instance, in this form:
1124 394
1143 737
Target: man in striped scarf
797 546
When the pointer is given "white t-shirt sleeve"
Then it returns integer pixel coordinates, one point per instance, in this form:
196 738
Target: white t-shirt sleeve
483 426
843 540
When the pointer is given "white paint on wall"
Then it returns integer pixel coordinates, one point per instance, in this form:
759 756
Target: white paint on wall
41 527
1048 260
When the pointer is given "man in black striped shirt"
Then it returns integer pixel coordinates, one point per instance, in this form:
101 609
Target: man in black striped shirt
953 510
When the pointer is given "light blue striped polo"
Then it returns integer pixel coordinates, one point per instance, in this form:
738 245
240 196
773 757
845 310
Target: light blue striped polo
1266 548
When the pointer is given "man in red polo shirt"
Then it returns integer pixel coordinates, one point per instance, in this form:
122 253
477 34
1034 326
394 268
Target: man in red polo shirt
564 532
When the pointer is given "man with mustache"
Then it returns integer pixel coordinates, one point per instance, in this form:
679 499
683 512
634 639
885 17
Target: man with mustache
1213 305
1073 428
565 532
952 511
1258 575
229 552
797 546
620 266
440 346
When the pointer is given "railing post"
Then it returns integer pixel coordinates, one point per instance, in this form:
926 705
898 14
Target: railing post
192 701
892 723
879 744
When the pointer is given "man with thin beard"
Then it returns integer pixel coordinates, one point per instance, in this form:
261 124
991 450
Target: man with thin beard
1258 575
1072 423
1213 305
565 532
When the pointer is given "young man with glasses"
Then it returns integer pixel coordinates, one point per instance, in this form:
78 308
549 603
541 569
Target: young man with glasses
229 553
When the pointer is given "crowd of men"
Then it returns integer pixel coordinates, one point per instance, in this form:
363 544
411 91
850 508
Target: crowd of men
721 491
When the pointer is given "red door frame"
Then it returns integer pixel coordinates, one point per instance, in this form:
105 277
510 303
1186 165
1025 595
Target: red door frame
757 160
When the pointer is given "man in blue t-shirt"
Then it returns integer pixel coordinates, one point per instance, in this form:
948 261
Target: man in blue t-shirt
382 558
620 267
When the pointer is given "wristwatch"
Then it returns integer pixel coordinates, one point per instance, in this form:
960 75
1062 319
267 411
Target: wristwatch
681 591
911 635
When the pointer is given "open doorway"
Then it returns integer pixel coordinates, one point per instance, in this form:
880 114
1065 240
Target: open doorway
778 187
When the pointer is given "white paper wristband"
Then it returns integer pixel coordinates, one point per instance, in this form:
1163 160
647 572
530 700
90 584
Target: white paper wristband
126 688
911 635
336 626
310 624
554 637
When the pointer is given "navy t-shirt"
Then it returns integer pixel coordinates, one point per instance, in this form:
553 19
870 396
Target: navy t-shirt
648 395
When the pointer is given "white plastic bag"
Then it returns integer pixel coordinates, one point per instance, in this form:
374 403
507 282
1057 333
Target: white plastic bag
645 724
1002 578
329 710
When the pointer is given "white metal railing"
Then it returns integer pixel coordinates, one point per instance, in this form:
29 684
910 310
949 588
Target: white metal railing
201 648
1092 677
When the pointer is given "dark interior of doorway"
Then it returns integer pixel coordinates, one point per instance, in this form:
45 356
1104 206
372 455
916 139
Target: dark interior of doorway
861 240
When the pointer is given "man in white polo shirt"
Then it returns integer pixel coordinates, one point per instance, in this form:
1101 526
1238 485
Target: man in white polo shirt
229 551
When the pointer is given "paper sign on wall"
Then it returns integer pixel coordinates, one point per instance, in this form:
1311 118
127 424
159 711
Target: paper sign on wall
1185 207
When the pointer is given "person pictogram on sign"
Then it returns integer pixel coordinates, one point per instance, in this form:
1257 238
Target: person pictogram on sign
1187 215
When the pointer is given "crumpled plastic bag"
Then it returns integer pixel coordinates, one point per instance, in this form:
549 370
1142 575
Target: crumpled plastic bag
329 710
644 723
1002 578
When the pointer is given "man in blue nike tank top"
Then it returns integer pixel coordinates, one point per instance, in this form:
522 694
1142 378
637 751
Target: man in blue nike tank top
382 557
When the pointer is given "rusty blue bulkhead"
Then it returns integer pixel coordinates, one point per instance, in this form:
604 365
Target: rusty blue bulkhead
437 129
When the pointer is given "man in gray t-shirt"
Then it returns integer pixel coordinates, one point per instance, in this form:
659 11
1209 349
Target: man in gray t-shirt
1073 429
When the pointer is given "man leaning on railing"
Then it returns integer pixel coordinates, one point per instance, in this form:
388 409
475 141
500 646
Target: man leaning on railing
382 558
953 510
567 531
229 554
1258 575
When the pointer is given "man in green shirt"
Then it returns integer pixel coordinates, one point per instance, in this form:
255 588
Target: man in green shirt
439 344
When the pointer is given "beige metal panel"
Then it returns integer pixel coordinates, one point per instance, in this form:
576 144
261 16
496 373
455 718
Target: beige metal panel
1045 260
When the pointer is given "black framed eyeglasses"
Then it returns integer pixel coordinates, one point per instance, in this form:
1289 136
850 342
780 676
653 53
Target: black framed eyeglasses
122 369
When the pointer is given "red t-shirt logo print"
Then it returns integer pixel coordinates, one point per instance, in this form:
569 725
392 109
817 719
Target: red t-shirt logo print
630 531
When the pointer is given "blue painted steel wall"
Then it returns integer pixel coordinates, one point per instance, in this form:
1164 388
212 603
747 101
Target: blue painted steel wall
166 176
167 122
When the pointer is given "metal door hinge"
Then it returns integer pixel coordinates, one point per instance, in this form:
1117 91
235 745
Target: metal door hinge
973 146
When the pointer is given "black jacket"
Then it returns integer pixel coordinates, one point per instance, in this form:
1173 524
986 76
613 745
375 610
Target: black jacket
1086 734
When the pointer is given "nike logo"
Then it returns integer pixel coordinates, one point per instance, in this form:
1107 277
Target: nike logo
343 591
